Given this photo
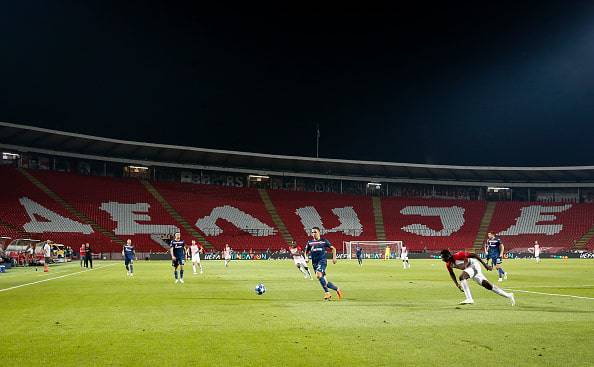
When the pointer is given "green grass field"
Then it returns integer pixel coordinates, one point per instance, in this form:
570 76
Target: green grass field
389 316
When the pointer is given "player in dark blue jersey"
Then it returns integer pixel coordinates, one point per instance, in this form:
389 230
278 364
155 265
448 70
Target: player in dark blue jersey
359 252
177 248
317 248
129 254
494 250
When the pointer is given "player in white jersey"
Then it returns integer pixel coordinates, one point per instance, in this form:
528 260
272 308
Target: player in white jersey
470 264
47 255
536 251
404 257
195 251
299 260
227 255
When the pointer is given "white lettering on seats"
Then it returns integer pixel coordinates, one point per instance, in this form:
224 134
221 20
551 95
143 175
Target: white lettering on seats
452 219
530 216
347 217
238 218
55 222
127 217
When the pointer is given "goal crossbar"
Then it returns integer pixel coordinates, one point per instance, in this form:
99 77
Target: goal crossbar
349 246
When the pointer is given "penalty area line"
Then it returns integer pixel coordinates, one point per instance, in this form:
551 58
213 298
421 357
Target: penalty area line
550 294
59 277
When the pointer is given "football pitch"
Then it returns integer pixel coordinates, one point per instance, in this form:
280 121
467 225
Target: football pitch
389 316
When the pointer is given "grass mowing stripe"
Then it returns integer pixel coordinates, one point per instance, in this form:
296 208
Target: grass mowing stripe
550 294
47 280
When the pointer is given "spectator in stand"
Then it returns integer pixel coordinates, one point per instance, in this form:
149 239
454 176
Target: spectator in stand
82 253
88 256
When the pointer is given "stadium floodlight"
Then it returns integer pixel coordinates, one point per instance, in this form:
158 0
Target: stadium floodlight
7 155
374 185
258 178
497 189
138 168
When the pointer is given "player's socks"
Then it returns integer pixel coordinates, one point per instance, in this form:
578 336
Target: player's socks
466 289
181 275
332 286
305 272
324 284
175 274
194 268
501 292
308 273
131 269
200 268
339 293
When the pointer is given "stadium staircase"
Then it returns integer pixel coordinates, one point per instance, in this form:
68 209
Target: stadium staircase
380 230
479 241
584 240
175 215
278 222
72 210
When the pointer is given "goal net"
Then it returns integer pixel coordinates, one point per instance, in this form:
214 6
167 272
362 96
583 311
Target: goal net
349 248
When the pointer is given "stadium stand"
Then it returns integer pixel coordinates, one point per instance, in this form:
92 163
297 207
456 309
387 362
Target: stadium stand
341 217
519 224
236 216
432 224
243 217
105 199
19 197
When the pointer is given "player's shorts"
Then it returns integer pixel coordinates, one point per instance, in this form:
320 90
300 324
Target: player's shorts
299 260
404 258
178 261
494 260
537 254
320 266
227 258
196 258
474 271
128 260
359 256
46 260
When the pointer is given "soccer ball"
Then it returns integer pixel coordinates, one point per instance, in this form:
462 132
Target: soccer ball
260 289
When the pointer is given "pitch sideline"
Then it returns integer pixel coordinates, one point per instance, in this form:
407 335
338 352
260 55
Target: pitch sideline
58 277
550 294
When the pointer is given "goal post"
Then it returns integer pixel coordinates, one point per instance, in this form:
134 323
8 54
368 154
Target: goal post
349 248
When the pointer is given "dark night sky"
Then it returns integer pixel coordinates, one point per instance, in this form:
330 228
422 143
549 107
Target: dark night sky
505 84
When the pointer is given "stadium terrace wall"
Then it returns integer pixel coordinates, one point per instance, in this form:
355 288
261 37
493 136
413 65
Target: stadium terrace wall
33 140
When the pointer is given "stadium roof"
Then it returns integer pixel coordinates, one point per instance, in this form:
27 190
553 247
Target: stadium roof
22 138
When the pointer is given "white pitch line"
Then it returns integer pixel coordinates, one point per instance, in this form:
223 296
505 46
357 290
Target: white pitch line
47 280
551 294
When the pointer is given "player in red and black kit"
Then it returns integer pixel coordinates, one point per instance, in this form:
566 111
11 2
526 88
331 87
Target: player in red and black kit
470 264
